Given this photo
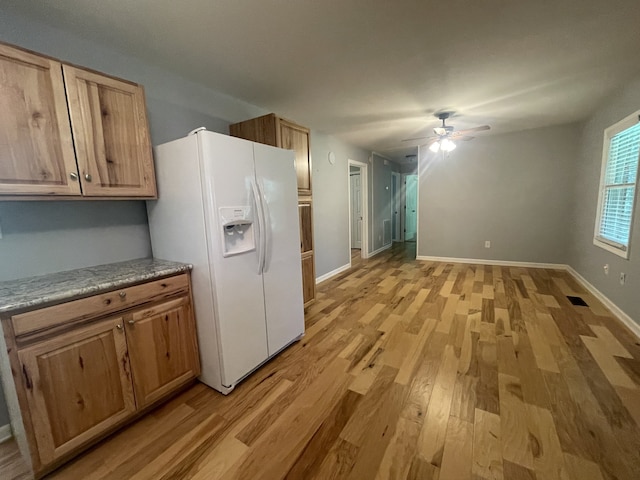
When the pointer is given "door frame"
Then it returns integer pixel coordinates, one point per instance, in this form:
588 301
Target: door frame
403 212
396 201
364 189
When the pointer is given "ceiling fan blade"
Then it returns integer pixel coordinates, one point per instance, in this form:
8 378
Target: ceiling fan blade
464 138
481 128
412 139
440 131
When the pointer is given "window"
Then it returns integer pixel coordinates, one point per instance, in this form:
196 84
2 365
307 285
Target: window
618 182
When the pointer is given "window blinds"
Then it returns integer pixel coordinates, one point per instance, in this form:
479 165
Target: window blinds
619 187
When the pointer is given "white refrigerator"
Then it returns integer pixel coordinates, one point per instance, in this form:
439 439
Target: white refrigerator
230 207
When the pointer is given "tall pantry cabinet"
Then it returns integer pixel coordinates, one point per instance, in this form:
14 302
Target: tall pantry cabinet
278 132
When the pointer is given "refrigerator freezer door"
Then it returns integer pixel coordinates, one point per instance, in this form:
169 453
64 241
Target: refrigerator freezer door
282 273
239 296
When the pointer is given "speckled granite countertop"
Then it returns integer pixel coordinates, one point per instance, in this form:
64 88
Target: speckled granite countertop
58 287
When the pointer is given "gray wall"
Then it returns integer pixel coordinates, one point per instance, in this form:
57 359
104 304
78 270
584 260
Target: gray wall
586 258
331 201
515 190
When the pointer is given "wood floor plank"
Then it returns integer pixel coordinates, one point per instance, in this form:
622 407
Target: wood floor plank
548 458
581 469
516 445
432 436
458 450
487 446
310 460
414 354
400 451
274 453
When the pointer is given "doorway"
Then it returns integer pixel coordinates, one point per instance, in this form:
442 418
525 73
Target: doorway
358 225
355 194
410 208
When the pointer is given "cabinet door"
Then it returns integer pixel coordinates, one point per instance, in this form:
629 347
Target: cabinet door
36 149
296 138
111 134
77 386
306 226
308 279
162 348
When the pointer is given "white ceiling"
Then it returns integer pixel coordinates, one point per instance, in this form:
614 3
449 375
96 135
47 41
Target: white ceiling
372 72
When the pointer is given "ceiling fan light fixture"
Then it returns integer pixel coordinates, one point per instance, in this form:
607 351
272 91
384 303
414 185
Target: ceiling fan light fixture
435 147
447 145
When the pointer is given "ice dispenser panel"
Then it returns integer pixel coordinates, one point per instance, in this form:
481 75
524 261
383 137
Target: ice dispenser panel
237 230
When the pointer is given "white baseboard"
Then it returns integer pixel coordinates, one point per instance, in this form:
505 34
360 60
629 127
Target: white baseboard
381 249
5 433
500 263
617 311
332 273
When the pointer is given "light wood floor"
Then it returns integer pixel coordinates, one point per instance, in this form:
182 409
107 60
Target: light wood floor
412 370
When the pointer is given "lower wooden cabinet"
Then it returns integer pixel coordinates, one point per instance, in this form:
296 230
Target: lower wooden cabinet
162 349
308 280
83 373
77 386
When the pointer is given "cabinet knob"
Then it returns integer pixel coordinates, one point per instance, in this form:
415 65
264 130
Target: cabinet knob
122 294
87 177
74 176
131 322
119 326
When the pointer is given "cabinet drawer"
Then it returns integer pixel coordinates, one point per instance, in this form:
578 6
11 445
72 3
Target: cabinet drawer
100 304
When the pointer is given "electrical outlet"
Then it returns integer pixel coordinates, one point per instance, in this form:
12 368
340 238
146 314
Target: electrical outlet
487 244
623 278
606 269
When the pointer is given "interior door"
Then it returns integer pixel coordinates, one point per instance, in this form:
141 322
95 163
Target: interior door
356 208
411 207
237 283
282 277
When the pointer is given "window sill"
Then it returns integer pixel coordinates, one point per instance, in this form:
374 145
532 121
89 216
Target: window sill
624 253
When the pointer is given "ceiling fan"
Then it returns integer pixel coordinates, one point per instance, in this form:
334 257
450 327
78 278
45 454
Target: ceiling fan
446 134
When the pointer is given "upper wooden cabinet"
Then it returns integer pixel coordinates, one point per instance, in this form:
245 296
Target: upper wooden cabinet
36 149
278 132
106 115
109 122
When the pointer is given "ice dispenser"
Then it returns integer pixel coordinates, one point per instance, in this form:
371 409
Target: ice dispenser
237 230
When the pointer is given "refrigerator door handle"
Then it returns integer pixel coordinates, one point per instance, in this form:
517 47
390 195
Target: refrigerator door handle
259 215
267 225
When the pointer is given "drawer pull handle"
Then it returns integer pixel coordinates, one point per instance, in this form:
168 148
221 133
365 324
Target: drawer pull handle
131 322
123 294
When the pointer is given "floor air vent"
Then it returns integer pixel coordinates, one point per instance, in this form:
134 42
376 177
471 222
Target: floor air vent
577 301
